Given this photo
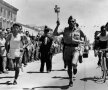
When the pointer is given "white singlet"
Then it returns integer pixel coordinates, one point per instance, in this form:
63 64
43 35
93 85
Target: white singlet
15 45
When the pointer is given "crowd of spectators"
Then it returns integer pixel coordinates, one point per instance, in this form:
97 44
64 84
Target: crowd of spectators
31 52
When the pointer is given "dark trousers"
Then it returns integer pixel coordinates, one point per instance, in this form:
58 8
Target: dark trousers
63 58
46 59
1 67
3 63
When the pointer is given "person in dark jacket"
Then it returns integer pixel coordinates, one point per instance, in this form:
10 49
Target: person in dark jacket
46 43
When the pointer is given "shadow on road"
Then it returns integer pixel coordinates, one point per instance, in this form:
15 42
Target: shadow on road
89 78
45 72
95 79
36 72
60 77
59 70
6 77
7 83
52 87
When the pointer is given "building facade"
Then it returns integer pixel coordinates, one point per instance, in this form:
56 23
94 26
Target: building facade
32 31
8 14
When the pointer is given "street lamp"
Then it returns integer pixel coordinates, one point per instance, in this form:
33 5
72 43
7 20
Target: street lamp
57 10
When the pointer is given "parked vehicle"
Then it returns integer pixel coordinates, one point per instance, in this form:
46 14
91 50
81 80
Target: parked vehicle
86 51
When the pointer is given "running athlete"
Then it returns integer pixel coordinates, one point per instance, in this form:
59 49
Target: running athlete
71 41
14 39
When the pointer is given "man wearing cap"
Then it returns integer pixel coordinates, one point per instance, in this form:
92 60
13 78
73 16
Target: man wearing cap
71 38
46 42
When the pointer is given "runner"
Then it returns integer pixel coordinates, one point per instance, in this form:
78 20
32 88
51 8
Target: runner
71 41
14 39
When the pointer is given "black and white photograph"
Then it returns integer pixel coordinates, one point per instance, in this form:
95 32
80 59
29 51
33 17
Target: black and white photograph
53 44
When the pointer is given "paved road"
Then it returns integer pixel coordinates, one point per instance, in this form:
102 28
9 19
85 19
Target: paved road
32 79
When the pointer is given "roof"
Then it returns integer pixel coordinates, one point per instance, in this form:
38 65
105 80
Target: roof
8 5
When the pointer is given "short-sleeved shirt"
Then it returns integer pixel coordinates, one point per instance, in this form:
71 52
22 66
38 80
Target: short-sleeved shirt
68 36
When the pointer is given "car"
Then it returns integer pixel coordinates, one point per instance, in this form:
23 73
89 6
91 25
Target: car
86 51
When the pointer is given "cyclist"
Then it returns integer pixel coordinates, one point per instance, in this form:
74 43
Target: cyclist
96 43
103 41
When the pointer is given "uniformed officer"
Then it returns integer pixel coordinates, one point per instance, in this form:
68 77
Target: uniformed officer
45 50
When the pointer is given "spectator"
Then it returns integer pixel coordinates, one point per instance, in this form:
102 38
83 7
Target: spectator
3 52
45 50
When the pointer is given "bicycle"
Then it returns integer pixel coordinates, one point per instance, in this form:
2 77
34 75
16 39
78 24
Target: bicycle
103 63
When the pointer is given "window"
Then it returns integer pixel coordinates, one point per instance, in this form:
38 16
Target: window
1 11
11 15
8 14
4 14
14 18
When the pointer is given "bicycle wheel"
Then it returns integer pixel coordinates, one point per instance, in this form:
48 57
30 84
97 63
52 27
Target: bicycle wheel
104 69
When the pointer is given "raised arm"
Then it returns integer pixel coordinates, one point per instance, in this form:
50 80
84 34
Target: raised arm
56 33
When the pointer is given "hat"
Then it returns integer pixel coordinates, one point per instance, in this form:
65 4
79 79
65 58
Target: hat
70 18
103 28
46 29
16 24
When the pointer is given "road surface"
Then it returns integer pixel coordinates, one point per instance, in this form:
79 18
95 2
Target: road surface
32 79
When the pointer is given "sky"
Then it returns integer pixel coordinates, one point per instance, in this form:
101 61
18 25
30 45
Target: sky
87 13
